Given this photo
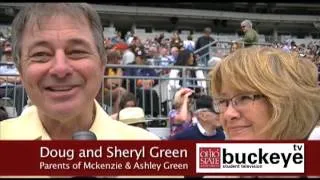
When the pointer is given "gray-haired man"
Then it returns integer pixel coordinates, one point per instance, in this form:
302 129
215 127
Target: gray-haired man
251 37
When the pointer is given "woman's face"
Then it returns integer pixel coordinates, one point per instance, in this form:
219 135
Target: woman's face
245 121
234 47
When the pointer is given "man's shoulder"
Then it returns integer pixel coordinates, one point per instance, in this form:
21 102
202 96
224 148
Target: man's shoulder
186 134
220 135
9 127
9 123
21 127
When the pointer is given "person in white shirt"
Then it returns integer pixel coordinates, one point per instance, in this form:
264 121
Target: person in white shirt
189 43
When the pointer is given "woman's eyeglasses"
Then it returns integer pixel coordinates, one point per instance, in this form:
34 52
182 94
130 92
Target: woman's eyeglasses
239 102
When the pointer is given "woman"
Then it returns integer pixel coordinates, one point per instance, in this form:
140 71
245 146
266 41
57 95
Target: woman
193 77
266 94
127 100
234 46
180 117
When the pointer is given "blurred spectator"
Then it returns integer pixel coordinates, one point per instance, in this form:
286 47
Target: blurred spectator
251 37
204 41
153 52
113 89
117 38
140 59
207 126
160 38
126 53
287 46
128 56
234 46
164 59
187 58
7 52
127 100
3 113
142 88
108 44
180 117
133 116
189 44
129 37
176 41
2 38
10 81
174 55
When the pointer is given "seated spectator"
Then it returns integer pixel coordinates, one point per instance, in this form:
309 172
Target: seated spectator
113 89
180 117
147 97
207 126
10 81
127 100
174 52
147 72
133 116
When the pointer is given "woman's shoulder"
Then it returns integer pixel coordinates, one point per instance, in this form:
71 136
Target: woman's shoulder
315 134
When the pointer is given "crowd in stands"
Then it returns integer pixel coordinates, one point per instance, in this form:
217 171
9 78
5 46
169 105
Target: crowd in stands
157 51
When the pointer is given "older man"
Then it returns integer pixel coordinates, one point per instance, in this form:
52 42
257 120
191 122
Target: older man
207 125
59 52
251 36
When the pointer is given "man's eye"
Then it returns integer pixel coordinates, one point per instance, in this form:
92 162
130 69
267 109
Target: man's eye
77 54
40 56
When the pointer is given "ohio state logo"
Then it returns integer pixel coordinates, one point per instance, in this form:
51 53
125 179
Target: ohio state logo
209 157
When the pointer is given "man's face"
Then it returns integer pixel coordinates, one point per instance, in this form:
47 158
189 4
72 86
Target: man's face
174 52
8 56
139 60
60 66
244 27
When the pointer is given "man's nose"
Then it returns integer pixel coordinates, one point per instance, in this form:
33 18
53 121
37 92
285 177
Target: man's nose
61 65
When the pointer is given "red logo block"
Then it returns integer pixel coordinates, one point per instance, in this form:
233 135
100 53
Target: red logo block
209 157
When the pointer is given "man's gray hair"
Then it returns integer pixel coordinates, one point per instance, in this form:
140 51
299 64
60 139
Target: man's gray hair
207 30
36 13
247 22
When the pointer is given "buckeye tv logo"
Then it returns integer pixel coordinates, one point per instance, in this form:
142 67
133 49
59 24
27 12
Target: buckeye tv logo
209 157
250 158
